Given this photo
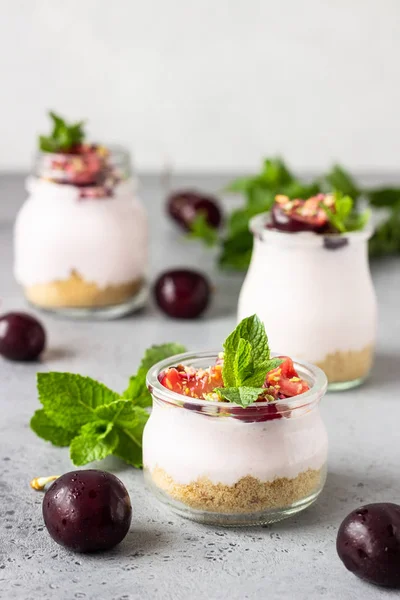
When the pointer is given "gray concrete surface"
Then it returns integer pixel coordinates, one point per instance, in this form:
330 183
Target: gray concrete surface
163 556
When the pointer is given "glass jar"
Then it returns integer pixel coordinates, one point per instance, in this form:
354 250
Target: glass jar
315 296
219 463
81 238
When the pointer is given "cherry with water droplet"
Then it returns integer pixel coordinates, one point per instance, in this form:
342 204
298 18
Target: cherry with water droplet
368 543
87 510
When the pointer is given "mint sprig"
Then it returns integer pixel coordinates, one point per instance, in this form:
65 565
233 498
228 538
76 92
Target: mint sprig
201 230
92 419
246 362
137 388
63 136
343 217
244 396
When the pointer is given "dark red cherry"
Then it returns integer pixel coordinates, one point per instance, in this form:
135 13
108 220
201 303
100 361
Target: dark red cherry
22 337
87 510
184 206
182 293
253 414
299 215
294 222
368 543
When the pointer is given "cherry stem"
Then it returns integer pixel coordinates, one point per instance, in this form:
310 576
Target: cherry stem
39 483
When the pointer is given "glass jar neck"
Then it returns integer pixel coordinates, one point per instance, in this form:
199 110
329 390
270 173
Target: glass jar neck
94 170
259 411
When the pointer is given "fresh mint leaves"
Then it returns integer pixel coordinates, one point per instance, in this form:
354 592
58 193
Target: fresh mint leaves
340 179
137 389
343 218
63 136
70 400
45 428
95 441
259 191
246 362
201 230
386 240
92 419
247 355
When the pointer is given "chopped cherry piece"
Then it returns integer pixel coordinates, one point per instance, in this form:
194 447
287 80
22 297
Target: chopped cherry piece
286 380
253 414
191 382
300 215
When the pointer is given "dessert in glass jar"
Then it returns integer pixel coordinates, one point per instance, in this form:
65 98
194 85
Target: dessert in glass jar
236 438
81 236
310 283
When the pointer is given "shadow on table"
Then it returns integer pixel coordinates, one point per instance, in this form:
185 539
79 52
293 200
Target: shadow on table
341 494
142 541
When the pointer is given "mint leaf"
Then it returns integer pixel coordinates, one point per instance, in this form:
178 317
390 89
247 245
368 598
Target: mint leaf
137 389
63 136
340 179
239 185
201 230
126 415
236 251
246 362
95 441
128 450
386 239
45 428
240 395
341 215
243 365
384 197
251 330
272 364
129 421
70 399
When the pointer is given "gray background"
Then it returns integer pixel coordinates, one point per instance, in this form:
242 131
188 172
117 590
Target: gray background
163 556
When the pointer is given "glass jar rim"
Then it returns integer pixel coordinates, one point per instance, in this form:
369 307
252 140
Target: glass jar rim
318 384
115 150
257 226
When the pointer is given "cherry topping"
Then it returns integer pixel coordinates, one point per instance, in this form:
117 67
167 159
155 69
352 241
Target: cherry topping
252 414
299 215
182 293
22 337
184 206
192 383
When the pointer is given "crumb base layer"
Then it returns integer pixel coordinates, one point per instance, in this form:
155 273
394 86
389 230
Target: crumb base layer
347 369
248 502
75 292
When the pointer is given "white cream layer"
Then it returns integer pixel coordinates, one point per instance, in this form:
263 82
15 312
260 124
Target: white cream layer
103 240
188 445
313 301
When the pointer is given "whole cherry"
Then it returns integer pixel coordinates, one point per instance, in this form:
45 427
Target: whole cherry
185 205
22 337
